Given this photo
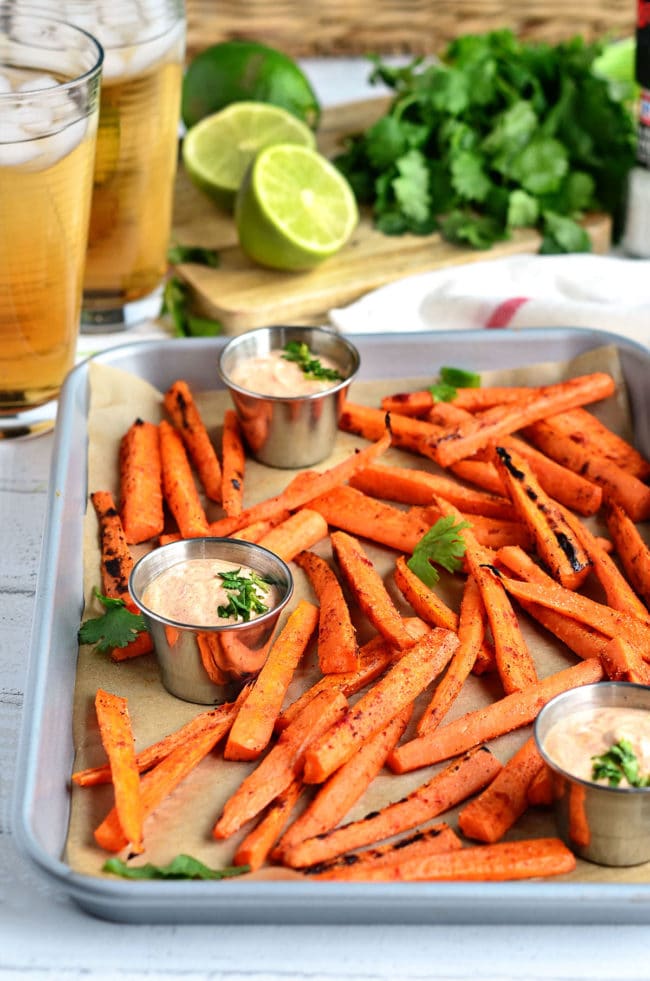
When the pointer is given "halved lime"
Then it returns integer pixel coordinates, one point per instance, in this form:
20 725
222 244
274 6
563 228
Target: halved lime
218 150
294 208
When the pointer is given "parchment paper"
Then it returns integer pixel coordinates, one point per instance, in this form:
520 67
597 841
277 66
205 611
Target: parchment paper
183 823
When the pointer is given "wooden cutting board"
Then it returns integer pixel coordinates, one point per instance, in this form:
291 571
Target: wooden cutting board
242 295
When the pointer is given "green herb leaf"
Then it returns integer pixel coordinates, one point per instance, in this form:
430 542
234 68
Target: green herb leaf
176 306
443 545
310 366
452 379
246 595
193 253
619 762
115 628
180 867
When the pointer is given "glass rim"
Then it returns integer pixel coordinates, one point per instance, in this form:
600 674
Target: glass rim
42 16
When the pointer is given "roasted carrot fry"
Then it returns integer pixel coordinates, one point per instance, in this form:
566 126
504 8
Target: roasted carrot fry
298 532
258 843
179 489
495 810
252 730
587 431
184 414
338 650
337 795
617 484
117 739
503 861
410 486
623 662
540 790
233 462
631 549
142 643
141 497
368 589
394 691
455 783
406 433
482 473
115 555
471 629
301 491
472 399
282 764
374 863
555 539
563 485
258 529
504 715
514 662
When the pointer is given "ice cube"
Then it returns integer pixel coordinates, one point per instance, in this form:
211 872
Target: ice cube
38 82
11 131
36 120
18 154
60 144
5 84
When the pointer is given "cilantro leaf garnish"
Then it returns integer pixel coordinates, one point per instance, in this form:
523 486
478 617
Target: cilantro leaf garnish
175 305
618 762
193 253
443 545
246 593
310 366
451 379
180 867
117 627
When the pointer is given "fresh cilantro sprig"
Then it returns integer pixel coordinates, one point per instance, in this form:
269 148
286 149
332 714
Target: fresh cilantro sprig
193 253
442 545
117 627
175 305
619 762
246 595
497 134
310 366
180 867
451 379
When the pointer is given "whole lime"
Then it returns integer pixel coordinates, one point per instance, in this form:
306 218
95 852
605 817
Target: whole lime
246 71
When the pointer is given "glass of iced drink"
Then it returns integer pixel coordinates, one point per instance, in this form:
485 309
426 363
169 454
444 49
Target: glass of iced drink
49 99
137 152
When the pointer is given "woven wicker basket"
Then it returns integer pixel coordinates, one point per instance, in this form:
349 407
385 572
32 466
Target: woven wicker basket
336 27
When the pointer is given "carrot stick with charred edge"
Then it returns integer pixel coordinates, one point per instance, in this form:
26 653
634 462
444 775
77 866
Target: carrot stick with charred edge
490 815
471 630
116 559
282 764
368 590
141 497
184 414
563 485
301 490
617 485
217 719
338 650
453 444
554 536
364 865
258 843
472 399
631 549
117 738
337 795
540 790
504 861
456 782
252 730
179 489
482 473
233 462
406 433
609 622
623 662
298 532
513 659
619 593
374 657
351 511
398 688
410 486
504 715
583 428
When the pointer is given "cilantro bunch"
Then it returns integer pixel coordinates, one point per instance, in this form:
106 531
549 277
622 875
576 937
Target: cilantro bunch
498 134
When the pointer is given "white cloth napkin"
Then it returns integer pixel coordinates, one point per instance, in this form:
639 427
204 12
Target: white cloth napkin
591 291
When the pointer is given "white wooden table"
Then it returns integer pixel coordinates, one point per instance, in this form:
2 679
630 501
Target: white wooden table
44 935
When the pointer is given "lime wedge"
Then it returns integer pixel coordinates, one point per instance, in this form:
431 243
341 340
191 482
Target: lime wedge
218 150
294 208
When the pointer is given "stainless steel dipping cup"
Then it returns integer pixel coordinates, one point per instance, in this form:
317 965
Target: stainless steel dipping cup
210 665
606 825
290 432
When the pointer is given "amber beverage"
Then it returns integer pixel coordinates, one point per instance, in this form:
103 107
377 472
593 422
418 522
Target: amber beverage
137 150
49 98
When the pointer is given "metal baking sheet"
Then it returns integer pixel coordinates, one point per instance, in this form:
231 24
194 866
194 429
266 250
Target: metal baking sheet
41 808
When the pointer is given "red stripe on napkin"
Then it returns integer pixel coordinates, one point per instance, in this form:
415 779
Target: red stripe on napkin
504 312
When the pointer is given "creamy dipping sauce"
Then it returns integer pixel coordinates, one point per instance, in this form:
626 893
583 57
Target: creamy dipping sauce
273 374
192 592
572 741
